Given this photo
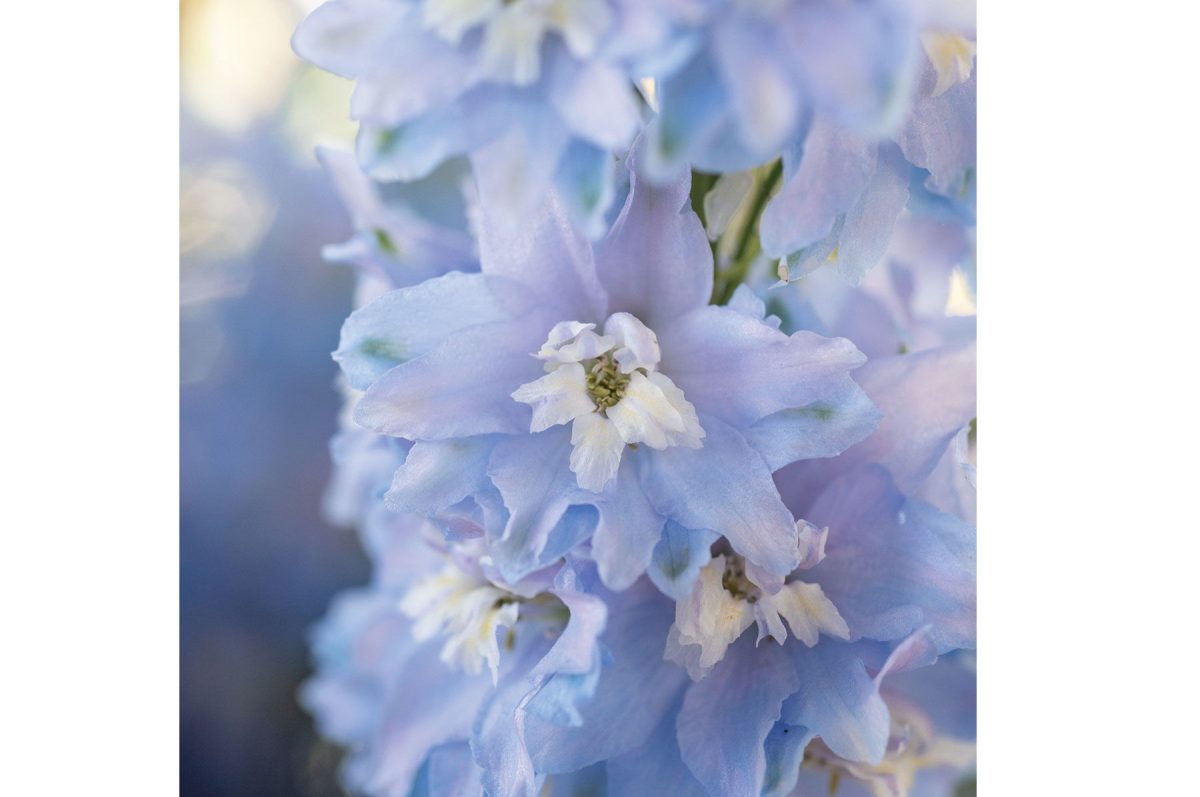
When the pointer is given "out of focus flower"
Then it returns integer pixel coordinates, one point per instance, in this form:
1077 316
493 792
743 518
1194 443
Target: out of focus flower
527 90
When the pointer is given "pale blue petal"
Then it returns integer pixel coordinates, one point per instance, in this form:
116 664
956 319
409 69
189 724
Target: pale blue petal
533 476
678 558
940 136
408 322
764 94
449 771
549 259
412 150
838 701
656 262
585 181
430 705
498 735
867 228
692 106
926 398
893 565
726 717
597 103
823 178
628 530
724 487
635 690
590 782
384 99
857 58
575 526
742 370
655 767
439 473
344 36
823 428
363 463
461 387
566 678
784 750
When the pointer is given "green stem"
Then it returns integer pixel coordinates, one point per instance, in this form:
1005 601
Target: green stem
748 245
702 183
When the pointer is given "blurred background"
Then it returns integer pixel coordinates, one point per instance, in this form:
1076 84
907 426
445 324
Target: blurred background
259 314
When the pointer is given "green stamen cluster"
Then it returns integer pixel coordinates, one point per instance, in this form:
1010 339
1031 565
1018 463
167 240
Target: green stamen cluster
605 382
735 582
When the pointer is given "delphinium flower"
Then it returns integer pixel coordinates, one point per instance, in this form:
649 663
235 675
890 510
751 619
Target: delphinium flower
595 387
532 91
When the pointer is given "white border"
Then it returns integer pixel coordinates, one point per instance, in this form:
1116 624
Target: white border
89 574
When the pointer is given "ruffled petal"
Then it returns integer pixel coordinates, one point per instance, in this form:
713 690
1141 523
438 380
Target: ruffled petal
893 565
628 531
726 717
742 370
724 487
461 387
656 262
531 473
408 322
838 701
439 473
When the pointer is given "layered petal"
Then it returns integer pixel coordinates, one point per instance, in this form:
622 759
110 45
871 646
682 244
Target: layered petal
724 487
544 255
408 322
726 717
838 701
628 532
893 565
656 263
742 370
531 473
460 387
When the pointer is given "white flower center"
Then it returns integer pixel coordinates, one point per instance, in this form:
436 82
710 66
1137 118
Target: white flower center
611 391
467 611
725 602
514 29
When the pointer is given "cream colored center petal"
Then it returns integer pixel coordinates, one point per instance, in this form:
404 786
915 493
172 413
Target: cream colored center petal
558 397
707 622
952 57
596 453
807 611
466 611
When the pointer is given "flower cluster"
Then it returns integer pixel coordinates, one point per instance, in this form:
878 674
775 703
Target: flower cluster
659 392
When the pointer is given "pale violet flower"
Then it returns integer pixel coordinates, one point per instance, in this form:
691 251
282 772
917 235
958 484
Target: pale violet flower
679 410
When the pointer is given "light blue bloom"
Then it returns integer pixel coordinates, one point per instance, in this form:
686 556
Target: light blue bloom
599 375
532 92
